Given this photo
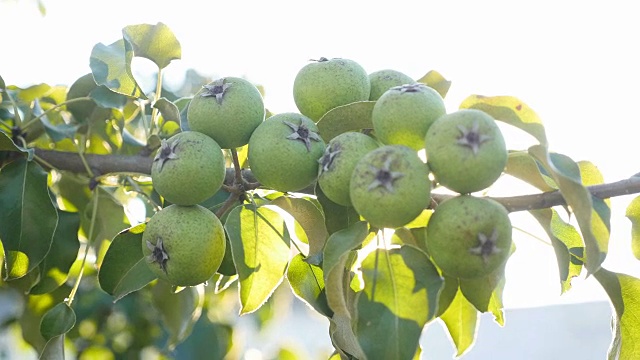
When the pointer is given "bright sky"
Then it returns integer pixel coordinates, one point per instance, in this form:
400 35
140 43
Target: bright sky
575 63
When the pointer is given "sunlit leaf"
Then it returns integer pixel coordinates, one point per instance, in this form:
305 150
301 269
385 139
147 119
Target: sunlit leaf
260 246
341 242
54 269
53 349
56 132
624 292
311 220
567 244
307 282
154 42
350 117
522 165
400 296
111 66
124 268
110 217
566 174
57 321
509 110
633 214
179 311
207 341
29 218
461 319
436 81
32 92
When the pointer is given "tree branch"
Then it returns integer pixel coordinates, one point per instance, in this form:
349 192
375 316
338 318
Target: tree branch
106 164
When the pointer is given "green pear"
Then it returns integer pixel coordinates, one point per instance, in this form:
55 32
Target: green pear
383 80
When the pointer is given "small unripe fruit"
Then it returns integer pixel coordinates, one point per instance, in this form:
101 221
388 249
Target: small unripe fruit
383 80
328 83
337 163
284 152
188 168
466 151
469 237
403 114
390 186
228 110
184 244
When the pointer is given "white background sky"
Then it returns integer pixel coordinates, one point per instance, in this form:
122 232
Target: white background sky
576 63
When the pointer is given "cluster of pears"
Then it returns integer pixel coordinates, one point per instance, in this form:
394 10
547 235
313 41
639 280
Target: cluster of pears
184 243
381 175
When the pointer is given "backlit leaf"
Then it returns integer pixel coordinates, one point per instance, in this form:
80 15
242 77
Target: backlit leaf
567 244
624 292
461 319
400 296
154 42
260 246
29 218
56 132
521 165
54 269
594 229
436 81
307 282
111 66
57 321
179 311
124 268
351 117
509 110
633 214
168 110
311 220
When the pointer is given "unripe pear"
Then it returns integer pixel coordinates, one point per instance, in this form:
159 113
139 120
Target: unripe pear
469 237
403 114
383 80
188 168
328 83
390 186
284 151
184 244
466 150
337 163
228 110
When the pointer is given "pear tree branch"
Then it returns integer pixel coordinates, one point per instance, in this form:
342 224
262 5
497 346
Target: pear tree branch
107 164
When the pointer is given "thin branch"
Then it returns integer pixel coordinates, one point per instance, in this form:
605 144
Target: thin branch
106 164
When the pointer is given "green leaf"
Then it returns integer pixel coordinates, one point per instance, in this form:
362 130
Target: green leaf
32 92
29 218
523 166
633 214
53 349
566 174
260 245
624 292
57 321
567 244
111 66
436 81
336 217
179 311
57 133
107 99
168 110
54 269
307 282
6 144
461 319
350 117
207 341
400 296
311 220
154 42
110 217
124 269
509 110
81 110
342 242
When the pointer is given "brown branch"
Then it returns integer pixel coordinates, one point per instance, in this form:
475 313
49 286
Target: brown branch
106 164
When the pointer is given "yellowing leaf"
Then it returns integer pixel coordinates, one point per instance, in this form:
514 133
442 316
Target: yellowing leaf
461 320
633 214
